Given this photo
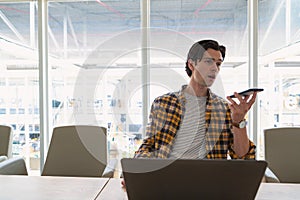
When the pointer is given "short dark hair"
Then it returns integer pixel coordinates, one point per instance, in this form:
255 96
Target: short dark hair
197 50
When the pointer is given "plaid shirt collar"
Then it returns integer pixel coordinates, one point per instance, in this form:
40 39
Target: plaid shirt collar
181 97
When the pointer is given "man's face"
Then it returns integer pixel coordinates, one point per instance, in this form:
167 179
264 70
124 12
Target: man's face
205 71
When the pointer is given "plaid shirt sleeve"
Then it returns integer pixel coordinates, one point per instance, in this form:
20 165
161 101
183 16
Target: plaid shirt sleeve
251 152
147 148
219 134
252 148
163 124
249 156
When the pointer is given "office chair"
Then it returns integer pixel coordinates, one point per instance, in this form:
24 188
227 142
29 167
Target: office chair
282 152
2 158
78 151
13 166
6 138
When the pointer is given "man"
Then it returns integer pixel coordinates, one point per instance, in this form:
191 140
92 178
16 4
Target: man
194 122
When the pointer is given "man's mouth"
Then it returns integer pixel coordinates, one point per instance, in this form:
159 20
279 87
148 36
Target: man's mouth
212 76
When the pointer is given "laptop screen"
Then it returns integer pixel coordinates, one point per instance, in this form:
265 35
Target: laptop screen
192 179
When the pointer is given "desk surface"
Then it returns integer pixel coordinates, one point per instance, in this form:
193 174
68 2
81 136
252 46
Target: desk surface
113 190
278 191
44 188
267 191
71 188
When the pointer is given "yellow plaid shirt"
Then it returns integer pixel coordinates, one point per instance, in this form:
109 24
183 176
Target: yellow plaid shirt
166 114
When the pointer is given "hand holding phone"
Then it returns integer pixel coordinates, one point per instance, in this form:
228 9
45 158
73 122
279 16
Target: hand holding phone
248 92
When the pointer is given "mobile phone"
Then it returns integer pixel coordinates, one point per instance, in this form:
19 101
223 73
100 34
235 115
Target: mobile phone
248 92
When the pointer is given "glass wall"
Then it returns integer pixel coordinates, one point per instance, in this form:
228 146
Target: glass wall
279 36
95 49
97 64
176 25
19 99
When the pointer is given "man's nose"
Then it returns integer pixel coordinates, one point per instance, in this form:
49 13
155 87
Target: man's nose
215 67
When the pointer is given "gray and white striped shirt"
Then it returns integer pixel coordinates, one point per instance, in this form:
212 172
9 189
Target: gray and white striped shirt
190 138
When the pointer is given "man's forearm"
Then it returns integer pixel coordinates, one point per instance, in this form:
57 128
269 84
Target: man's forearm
240 141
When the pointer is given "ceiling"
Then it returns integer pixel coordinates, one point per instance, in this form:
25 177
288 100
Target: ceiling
81 32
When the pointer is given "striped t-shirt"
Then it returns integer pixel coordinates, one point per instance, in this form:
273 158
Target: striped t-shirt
190 138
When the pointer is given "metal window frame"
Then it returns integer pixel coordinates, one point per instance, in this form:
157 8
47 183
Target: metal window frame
253 65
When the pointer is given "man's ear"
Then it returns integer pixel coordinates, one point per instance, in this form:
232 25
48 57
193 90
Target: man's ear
191 64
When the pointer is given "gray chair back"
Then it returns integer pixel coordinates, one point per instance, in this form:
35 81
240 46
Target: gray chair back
13 166
78 150
282 152
6 141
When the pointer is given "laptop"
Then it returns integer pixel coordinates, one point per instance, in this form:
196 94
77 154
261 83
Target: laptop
182 179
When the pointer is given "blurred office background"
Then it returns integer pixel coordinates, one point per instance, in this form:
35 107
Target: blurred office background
102 62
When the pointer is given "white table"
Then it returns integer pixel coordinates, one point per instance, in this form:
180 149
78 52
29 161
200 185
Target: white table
267 191
113 191
52 188
278 191
71 188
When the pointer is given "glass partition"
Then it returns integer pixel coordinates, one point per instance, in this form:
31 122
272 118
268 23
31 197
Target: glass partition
19 85
279 65
95 63
176 25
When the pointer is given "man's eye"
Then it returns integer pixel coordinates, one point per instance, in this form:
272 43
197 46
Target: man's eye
209 61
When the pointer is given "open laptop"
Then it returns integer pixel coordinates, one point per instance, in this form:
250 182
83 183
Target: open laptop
182 179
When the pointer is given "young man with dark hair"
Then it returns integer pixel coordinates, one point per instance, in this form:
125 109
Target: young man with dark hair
195 123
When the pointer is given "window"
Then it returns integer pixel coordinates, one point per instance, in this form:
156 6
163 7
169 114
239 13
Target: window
94 47
278 55
97 59
18 62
